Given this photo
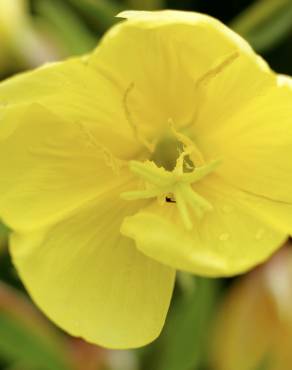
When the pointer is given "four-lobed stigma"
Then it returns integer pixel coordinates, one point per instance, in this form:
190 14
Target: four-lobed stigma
174 186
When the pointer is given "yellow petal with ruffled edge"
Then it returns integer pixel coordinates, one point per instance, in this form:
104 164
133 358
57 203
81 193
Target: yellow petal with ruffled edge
254 137
77 93
228 240
92 281
49 167
157 58
255 144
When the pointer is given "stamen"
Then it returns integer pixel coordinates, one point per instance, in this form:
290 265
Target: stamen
201 172
218 68
206 78
195 199
151 173
183 210
161 183
143 194
189 146
137 134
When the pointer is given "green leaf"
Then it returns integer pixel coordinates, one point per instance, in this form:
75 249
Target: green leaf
3 236
68 28
146 4
183 343
101 12
20 345
265 23
27 341
265 364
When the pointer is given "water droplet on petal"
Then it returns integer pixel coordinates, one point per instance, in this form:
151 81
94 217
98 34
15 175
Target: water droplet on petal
223 237
260 234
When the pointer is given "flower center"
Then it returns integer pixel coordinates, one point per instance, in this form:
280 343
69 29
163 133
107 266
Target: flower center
175 165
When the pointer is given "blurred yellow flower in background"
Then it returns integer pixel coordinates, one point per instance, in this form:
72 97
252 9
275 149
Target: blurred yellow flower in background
11 19
21 43
254 325
167 148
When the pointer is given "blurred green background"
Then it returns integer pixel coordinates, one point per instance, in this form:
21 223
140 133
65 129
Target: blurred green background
37 31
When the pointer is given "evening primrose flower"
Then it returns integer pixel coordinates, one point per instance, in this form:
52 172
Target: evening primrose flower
169 147
254 325
21 43
11 20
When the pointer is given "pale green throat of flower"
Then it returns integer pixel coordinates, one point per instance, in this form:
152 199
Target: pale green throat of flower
175 185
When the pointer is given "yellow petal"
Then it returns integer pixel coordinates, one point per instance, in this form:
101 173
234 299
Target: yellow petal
157 57
229 239
276 213
50 167
249 126
92 281
12 17
76 92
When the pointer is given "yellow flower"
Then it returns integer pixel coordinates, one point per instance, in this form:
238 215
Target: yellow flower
254 325
11 20
21 43
167 148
